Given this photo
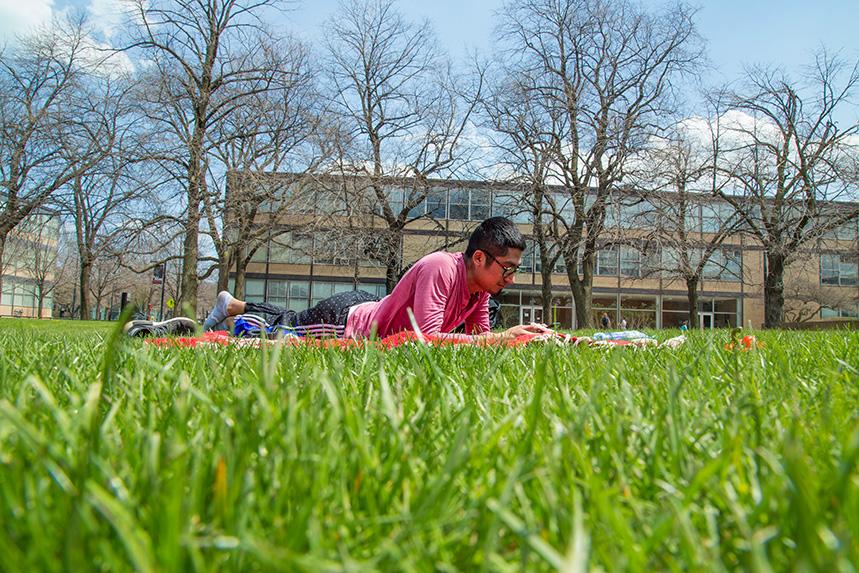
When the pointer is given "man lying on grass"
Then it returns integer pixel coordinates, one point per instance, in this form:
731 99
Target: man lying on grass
441 290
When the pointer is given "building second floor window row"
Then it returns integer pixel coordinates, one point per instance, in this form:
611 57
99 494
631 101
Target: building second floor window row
704 215
852 311
320 248
724 264
299 294
839 270
630 261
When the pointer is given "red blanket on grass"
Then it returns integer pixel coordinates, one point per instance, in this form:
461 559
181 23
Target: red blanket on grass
222 338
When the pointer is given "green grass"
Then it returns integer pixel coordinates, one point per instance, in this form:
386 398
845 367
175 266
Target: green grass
117 456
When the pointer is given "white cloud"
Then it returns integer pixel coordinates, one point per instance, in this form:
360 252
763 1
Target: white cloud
107 15
20 17
104 59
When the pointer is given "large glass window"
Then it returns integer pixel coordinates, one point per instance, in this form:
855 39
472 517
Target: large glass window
510 204
330 201
410 196
321 290
288 294
481 200
604 304
458 201
564 207
277 292
437 204
612 214
715 215
559 267
298 291
845 232
254 290
637 214
724 265
395 199
297 198
260 254
377 289
838 270
8 297
607 262
852 312
638 312
630 261
528 256
692 218
290 247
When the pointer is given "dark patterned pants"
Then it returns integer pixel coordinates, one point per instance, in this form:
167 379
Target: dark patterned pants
330 311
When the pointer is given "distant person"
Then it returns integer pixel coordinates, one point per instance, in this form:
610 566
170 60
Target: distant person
623 324
605 321
684 326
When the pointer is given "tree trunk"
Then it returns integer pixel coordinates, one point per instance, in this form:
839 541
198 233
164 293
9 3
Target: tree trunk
41 302
692 297
188 298
187 303
356 270
392 273
223 275
774 291
582 289
546 292
545 266
394 262
83 309
546 283
241 280
2 252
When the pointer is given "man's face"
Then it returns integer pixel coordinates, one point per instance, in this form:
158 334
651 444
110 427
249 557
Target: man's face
493 273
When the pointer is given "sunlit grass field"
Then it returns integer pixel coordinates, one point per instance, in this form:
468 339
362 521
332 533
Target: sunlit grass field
118 456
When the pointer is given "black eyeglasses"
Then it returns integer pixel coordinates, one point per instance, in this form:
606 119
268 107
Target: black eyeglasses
505 271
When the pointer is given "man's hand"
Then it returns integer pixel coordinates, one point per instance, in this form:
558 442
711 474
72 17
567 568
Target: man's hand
532 328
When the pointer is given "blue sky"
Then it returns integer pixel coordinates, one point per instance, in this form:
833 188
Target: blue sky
738 32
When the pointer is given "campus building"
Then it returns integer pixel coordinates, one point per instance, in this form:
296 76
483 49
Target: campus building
28 265
301 264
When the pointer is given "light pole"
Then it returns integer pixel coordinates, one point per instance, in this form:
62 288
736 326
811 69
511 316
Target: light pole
163 282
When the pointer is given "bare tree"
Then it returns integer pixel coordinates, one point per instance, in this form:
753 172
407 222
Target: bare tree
520 132
105 274
675 210
206 61
273 130
607 68
103 201
789 161
401 113
39 112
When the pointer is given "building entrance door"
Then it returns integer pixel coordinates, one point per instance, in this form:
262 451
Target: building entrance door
706 319
529 314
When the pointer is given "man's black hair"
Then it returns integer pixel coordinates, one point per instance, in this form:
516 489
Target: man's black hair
495 236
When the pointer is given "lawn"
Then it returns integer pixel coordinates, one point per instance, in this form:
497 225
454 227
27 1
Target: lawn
118 456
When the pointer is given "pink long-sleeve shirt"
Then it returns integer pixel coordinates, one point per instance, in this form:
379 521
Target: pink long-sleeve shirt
436 291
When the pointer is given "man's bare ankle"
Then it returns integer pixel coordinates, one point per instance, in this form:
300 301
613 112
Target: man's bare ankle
235 307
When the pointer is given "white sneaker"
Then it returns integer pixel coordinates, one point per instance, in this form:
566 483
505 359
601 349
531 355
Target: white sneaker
172 327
